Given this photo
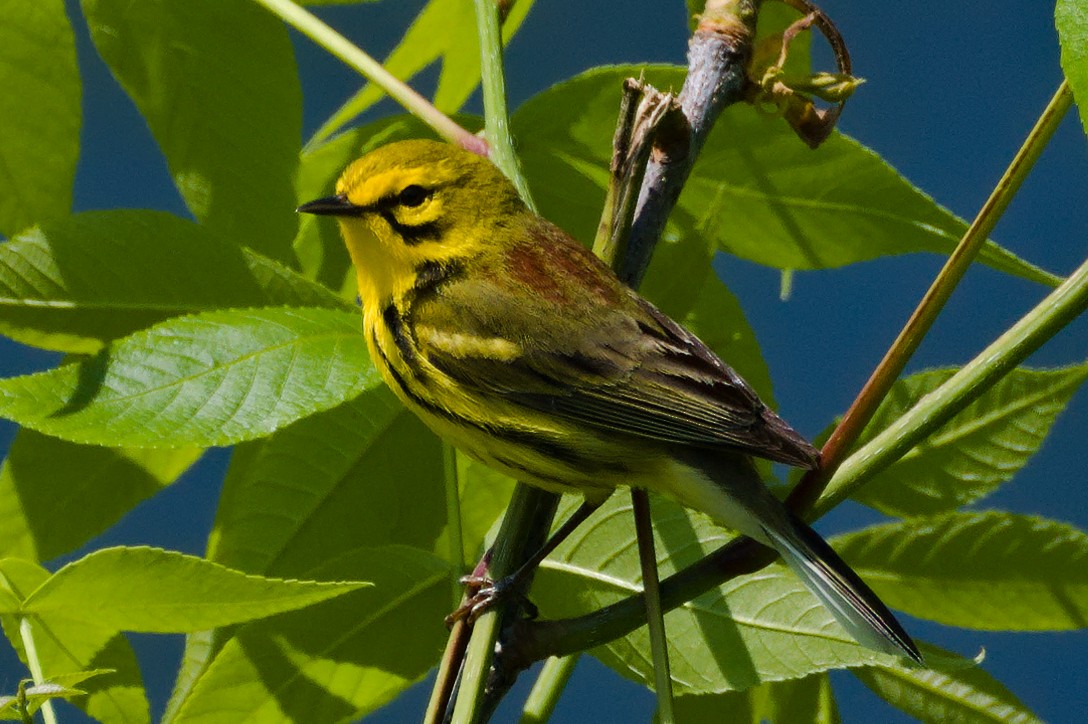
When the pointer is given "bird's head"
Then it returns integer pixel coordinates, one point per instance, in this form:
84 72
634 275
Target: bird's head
414 203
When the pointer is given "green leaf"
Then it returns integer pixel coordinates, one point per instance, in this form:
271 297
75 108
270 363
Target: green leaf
718 319
990 571
695 8
485 495
772 200
65 646
794 701
75 284
365 473
336 661
217 83
9 603
754 629
209 379
56 495
57 687
34 697
966 696
978 450
152 590
1071 19
444 30
39 113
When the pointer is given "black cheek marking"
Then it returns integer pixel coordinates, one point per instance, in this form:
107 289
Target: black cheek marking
413 234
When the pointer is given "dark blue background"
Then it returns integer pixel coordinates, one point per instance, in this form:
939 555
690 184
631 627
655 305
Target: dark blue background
952 90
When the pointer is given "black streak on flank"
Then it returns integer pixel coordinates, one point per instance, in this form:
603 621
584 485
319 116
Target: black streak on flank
412 234
539 443
393 320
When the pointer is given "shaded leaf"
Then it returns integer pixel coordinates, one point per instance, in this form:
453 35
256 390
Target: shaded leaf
76 284
338 660
56 495
39 113
157 591
992 571
365 473
217 83
795 701
1071 19
966 696
771 200
718 319
209 379
754 629
977 450
485 494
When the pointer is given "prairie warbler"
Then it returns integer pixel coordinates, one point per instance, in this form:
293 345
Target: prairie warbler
516 344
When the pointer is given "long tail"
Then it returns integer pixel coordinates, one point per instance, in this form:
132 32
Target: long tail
729 489
846 596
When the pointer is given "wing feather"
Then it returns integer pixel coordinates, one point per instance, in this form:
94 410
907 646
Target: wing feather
617 364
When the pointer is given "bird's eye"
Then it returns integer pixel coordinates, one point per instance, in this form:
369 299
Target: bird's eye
413 195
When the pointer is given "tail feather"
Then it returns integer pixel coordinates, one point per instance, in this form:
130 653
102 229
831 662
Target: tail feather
846 596
729 489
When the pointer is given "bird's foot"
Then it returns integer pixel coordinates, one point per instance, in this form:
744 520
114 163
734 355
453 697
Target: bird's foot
484 594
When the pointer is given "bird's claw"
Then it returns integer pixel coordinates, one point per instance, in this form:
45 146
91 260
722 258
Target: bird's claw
488 594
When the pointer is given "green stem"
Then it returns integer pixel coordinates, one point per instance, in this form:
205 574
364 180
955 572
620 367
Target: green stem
895 360
316 30
454 530
493 87
26 632
655 615
548 687
1062 306
530 512
523 530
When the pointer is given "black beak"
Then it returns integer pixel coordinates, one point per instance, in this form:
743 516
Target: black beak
330 206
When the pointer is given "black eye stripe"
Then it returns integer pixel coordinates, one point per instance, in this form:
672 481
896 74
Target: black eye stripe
412 234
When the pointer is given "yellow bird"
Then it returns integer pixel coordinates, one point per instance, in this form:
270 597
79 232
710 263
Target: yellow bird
517 345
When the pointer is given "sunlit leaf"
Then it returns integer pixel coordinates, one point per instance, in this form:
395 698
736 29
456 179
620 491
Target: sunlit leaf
209 379
992 571
967 696
444 31
152 590
977 450
1071 19
65 647
338 660
794 701
75 284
